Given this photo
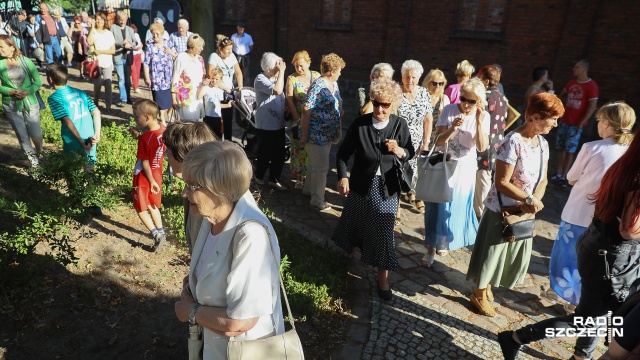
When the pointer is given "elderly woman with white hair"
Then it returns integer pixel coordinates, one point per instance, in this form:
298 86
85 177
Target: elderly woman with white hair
372 190
233 286
380 70
270 99
465 128
417 111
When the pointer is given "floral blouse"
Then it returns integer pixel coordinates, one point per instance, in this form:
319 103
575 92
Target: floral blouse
462 145
526 161
188 73
324 127
300 91
414 114
160 67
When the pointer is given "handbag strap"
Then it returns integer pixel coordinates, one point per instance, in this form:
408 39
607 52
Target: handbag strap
539 174
444 155
26 69
275 261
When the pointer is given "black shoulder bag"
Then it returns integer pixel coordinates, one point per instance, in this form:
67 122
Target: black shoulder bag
516 224
405 186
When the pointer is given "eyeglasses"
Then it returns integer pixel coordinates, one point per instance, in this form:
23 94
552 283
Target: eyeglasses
468 101
193 188
435 83
377 104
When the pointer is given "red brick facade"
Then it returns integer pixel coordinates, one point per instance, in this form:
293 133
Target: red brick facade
519 35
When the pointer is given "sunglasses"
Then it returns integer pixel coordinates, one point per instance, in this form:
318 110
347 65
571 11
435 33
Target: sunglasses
468 101
435 83
377 104
194 187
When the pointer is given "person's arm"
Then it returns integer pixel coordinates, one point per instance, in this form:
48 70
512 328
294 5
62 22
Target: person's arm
97 125
279 85
37 80
428 125
70 32
146 169
630 223
306 122
289 100
238 72
578 167
563 95
91 36
203 88
593 104
69 124
504 172
482 139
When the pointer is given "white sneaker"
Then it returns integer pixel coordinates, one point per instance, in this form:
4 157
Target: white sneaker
136 90
322 206
276 185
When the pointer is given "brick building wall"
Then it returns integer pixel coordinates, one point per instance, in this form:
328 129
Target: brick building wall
519 35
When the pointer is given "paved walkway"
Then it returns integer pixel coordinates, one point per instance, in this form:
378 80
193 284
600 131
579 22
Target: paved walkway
430 316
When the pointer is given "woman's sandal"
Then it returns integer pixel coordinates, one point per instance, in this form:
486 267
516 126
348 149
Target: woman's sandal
419 204
484 309
299 185
427 260
397 222
442 252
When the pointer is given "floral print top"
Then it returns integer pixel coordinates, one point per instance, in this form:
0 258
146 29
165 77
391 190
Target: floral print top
515 151
300 91
188 73
324 127
160 66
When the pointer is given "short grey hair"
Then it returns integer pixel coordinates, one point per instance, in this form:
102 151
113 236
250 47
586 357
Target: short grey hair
221 167
269 60
183 22
412 65
122 13
380 67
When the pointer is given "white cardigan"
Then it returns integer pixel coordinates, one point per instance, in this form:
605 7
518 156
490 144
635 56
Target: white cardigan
243 279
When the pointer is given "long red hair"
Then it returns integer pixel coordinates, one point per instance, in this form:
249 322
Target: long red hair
622 178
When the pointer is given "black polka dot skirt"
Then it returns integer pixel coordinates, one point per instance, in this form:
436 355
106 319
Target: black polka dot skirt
367 223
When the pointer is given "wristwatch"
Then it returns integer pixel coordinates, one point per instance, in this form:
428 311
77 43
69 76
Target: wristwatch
192 316
528 200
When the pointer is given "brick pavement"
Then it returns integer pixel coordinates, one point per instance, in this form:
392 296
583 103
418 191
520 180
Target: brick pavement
430 316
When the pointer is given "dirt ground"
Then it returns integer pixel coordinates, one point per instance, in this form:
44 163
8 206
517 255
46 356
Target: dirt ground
116 303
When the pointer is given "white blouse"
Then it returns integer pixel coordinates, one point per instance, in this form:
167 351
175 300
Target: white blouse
462 145
593 160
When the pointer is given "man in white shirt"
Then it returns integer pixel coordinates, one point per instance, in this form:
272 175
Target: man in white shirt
242 46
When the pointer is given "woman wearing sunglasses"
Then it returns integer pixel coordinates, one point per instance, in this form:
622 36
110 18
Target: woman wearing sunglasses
416 110
435 82
465 126
372 191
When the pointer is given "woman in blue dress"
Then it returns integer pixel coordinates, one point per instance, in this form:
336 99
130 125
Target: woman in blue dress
615 121
465 127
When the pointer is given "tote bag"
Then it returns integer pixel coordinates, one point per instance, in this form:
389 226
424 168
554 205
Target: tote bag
434 181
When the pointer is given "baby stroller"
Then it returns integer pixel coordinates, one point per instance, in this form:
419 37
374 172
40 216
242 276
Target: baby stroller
245 105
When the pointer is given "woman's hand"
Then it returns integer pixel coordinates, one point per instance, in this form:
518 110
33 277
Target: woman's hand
174 104
424 148
457 122
343 186
535 206
393 147
304 139
18 94
479 110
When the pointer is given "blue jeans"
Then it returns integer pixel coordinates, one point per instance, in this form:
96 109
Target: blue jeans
123 70
52 51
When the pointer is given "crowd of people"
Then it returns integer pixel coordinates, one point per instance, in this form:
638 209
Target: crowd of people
497 171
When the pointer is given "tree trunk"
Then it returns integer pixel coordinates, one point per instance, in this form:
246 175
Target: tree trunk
200 14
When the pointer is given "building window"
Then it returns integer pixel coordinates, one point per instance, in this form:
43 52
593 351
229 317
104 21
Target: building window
479 19
234 10
335 15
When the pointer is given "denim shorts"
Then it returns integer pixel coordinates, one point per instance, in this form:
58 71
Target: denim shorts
568 137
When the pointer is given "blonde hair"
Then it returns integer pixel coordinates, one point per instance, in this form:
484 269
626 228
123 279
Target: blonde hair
215 71
386 89
465 69
221 167
157 27
331 62
222 41
476 87
433 73
194 40
621 117
301 55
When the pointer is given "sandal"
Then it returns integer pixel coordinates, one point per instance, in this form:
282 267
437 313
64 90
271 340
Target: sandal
397 222
427 260
483 308
442 252
419 204
299 185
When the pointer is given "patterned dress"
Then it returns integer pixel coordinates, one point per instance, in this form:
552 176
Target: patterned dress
188 73
298 163
414 114
160 67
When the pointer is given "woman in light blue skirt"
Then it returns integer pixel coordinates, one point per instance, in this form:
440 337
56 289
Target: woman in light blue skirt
465 127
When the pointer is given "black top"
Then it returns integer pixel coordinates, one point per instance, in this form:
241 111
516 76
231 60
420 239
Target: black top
368 145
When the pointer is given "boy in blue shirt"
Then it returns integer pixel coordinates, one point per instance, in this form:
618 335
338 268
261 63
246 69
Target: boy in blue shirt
79 116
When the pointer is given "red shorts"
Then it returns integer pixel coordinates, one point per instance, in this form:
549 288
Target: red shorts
143 198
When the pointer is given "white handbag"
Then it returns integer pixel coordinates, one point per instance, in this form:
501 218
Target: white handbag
434 181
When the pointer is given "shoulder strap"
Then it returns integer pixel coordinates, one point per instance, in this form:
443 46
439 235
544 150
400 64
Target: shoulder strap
275 261
539 172
26 68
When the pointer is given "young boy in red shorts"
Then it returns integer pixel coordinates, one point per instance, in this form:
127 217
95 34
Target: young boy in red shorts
147 175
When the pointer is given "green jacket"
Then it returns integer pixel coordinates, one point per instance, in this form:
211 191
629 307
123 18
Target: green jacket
31 87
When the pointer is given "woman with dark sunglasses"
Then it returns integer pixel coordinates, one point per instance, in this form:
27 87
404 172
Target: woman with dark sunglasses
465 127
435 82
375 140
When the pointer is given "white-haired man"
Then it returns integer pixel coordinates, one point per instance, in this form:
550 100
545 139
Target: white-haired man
123 57
178 40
